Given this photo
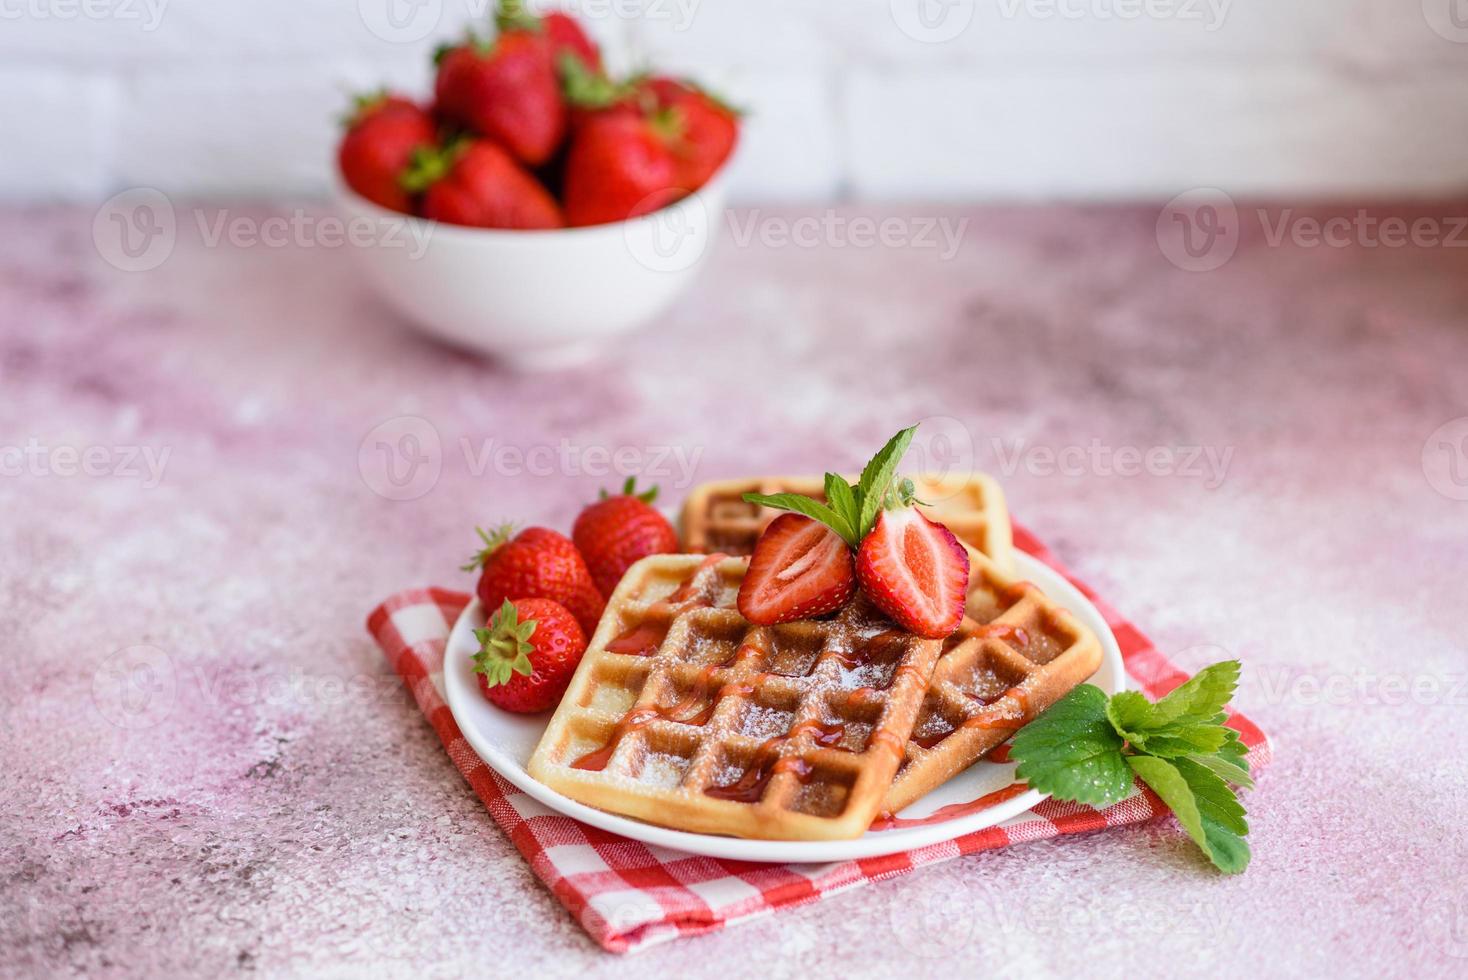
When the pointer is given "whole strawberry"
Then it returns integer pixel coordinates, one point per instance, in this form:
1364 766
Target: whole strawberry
622 165
560 31
537 563
475 183
617 531
506 89
382 135
528 654
709 129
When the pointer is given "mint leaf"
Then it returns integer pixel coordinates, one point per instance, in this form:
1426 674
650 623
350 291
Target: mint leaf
1225 769
1137 720
1202 696
1234 750
842 500
1072 752
1179 740
877 476
1204 805
813 509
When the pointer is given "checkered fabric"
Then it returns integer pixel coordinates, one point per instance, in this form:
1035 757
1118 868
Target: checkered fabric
629 895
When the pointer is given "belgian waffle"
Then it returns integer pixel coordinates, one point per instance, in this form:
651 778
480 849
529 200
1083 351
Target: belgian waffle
684 714
1016 653
716 517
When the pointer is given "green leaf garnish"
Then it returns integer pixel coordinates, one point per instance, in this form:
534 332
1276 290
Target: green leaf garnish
876 477
1087 747
1204 805
1072 752
814 509
851 511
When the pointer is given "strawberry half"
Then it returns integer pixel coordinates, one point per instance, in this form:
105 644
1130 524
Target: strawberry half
916 571
800 568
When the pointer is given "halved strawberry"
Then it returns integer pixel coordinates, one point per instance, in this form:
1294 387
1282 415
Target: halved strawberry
916 572
913 569
800 568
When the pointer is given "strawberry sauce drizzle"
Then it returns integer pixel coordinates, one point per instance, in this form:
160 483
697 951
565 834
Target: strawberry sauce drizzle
644 639
1003 723
1003 631
889 821
750 786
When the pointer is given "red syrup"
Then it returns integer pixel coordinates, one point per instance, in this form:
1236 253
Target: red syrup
751 785
644 639
1004 631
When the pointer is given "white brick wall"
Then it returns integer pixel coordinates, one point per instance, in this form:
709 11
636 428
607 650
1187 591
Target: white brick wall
1026 98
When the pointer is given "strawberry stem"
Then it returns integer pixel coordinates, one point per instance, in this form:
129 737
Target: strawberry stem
504 646
512 15
493 541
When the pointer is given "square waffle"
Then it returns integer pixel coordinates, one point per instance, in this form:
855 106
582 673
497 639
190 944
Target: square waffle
716 517
1016 653
682 713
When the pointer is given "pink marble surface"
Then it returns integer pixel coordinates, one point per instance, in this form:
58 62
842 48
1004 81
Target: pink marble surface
271 801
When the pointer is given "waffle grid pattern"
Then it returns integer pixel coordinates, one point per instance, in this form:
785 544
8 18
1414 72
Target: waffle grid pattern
1016 653
791 731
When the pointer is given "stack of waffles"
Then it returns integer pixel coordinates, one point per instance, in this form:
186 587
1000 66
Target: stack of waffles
684 714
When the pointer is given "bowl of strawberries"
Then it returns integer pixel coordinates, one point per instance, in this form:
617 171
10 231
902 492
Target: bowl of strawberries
537 207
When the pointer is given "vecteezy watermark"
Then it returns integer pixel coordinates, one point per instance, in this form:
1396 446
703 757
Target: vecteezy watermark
35 458
669 237
138 686
932 21
1447 18
1362 230
408 21
831 229
1210 13
1276 684
148 13
1198 231
403 459
675 465
1207 463
304 229
1445 459
135 687
1444 917
939 920
137 230
401 21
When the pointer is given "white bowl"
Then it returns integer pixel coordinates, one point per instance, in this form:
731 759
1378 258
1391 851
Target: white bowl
533 299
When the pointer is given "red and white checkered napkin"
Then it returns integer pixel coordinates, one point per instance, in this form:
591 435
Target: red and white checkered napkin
630 895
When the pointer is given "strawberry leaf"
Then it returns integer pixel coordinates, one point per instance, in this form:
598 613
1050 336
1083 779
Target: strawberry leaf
1225 769
813 509
1201 697
1204 805
1072 752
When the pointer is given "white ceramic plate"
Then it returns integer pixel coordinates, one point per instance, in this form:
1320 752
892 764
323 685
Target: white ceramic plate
505 741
